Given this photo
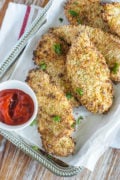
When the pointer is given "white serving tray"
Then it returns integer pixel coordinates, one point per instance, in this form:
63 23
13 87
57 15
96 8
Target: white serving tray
88 129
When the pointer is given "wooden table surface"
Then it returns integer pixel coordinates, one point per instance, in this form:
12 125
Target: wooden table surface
15 165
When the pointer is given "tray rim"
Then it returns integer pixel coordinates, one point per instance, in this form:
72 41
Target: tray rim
58 170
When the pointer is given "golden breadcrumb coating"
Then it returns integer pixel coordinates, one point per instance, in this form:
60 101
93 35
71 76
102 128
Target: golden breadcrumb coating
47 125
88 12
111 15
107 44
89 75
51 55
63 146
55 117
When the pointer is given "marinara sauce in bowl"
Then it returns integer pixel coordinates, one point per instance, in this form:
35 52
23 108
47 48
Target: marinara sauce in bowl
18 105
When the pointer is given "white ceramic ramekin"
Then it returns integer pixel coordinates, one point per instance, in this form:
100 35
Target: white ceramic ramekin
15 84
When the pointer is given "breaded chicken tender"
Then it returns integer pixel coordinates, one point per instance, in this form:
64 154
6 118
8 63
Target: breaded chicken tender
111 15
88 12
55 117
89 75
48 126
107 44
63 146
50 56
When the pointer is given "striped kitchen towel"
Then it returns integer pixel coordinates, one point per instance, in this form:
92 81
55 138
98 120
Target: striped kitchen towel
17 19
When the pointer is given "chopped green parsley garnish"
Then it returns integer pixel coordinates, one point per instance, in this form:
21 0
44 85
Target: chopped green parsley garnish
34 122
73 13
57 118
115 68
79 119
36 148
57 49
77 122
61 19
79 91
43 66
49 156
69 95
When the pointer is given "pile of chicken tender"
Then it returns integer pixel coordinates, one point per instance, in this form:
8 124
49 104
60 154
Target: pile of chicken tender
77 64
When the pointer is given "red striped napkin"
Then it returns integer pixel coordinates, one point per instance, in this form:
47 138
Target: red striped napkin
17 19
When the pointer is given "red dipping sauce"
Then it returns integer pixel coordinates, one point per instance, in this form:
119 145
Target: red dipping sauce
16 107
